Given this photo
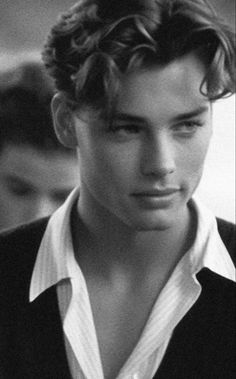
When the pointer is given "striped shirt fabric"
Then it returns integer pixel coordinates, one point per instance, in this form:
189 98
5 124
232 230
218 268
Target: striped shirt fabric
56 264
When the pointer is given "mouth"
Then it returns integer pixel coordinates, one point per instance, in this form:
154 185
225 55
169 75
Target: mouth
156 192
156 198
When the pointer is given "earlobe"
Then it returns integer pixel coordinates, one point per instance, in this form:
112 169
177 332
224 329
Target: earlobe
63 122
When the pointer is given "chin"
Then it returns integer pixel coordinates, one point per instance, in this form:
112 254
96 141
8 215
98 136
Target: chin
152 223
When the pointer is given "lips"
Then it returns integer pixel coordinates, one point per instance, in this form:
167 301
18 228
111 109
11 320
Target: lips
154 199
156 192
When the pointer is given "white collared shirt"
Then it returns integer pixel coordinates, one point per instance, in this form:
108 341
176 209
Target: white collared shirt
56 264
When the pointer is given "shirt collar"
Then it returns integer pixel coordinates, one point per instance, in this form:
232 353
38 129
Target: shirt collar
208 249
56 247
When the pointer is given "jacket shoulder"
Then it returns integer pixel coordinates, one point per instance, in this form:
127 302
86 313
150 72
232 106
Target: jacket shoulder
22 237
227 231
18 251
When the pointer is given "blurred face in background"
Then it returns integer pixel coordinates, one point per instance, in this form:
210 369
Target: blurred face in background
33 184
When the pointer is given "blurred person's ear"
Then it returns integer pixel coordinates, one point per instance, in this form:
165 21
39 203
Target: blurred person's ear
63 122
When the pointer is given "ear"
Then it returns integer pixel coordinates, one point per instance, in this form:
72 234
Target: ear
63 121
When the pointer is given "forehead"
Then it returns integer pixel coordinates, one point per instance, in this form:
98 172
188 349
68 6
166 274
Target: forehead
167 90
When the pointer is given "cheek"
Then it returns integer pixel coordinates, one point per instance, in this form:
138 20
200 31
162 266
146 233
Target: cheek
124 167
22 206
194 158
106 163
12 208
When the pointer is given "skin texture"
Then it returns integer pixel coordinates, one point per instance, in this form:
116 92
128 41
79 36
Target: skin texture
153 146
33 184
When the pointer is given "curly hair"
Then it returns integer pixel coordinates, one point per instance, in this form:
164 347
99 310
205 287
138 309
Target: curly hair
97 41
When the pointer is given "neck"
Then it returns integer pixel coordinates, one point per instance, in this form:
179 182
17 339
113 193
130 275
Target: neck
106 244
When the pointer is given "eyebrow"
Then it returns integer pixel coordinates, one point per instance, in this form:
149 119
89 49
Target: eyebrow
196 112
119 116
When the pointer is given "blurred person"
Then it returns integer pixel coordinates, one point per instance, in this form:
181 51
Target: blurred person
133 277
36 172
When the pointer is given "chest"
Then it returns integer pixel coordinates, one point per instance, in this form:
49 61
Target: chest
119 321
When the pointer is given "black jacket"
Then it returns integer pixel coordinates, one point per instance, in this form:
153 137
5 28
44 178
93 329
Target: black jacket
31 335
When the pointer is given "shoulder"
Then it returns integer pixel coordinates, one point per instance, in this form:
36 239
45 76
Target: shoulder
227 231
24 236
227 228
18 251
24 228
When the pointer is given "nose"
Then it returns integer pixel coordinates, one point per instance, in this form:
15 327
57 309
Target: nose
158 156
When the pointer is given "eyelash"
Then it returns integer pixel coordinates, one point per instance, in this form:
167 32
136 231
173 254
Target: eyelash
188 127
190 124
128 128
20 191
134 129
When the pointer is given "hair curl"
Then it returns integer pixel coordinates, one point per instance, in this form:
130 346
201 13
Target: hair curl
97 41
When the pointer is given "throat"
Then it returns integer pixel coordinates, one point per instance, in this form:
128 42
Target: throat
131 253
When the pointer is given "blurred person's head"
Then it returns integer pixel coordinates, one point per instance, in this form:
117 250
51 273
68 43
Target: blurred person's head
36 171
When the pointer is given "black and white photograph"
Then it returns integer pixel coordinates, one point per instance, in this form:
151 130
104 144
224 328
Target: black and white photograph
117 189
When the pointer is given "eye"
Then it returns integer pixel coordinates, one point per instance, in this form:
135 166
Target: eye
19 190
126 129
18 187
188 127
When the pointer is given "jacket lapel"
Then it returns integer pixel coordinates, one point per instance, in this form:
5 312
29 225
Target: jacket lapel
203 343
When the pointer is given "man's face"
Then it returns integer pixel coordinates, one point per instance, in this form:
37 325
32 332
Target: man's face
145 167
33 184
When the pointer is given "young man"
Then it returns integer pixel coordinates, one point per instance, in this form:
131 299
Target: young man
130 278
36 171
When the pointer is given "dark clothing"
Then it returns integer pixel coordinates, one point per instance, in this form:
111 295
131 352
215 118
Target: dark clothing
31 335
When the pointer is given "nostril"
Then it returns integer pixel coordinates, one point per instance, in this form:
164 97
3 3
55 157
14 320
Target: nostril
158 163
